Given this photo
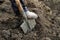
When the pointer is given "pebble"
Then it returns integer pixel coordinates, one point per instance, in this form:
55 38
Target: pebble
46 38
6 33
14 36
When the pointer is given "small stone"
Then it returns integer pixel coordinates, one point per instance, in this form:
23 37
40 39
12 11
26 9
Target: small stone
14 36
46 38
6 33
59 35
20 35
2 39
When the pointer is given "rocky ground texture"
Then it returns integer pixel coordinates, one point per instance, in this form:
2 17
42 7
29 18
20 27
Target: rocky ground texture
48 22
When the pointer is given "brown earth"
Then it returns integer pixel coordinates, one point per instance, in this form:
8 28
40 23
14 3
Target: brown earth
48 22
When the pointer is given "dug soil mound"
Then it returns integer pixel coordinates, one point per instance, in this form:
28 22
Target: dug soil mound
48 21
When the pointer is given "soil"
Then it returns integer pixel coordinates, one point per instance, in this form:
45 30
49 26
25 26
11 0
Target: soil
48 21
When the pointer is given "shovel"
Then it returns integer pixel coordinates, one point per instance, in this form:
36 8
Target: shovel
28 24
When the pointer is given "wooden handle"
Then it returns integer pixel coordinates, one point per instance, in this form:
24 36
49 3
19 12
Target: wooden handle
19 5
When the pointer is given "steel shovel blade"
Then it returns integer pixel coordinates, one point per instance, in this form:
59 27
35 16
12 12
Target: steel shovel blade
25 27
